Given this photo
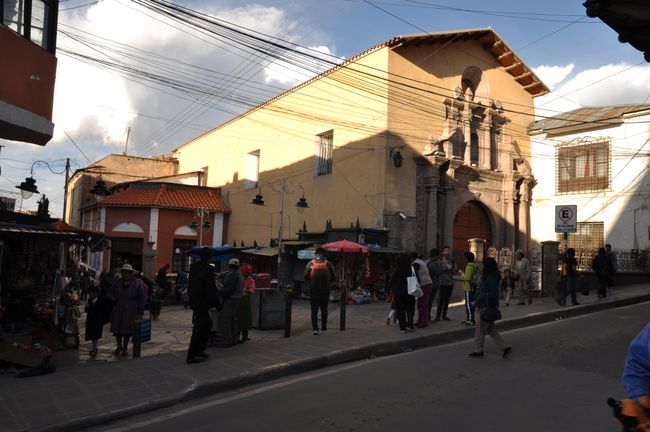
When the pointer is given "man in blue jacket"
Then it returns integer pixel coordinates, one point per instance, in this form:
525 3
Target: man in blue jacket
636 377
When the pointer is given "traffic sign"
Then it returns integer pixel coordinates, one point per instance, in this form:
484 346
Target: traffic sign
566 218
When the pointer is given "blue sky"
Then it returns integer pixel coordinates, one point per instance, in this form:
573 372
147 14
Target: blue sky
94 108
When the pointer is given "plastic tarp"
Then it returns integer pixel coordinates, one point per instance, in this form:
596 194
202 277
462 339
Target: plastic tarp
307 254
219 253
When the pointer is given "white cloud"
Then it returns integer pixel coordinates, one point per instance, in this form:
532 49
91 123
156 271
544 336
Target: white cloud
552 75
612 84
287 74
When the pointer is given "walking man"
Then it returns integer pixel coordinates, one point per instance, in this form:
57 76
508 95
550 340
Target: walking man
320 274
523 277
203 295
613 265
233 289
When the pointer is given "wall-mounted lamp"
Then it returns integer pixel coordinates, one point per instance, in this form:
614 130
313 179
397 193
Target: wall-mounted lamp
258 200
396 156
100 189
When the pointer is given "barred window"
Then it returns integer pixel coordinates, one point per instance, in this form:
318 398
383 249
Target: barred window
589 236
180 259
583 168
324 152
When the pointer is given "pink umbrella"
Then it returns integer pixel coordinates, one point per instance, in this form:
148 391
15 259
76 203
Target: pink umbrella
345 246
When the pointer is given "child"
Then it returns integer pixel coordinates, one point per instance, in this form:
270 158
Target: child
95 319
507 285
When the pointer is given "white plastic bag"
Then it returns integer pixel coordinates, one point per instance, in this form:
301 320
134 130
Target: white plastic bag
413 285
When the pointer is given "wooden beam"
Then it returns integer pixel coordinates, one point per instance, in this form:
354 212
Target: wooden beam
513 66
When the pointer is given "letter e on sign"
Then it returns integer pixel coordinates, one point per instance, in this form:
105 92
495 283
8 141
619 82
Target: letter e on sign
566 218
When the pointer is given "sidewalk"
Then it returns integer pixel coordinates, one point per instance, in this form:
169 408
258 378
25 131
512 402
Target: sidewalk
83 393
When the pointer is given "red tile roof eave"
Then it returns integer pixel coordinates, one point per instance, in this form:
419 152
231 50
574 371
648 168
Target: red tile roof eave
212 209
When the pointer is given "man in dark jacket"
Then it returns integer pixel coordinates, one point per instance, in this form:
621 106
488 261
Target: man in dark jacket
203 295
320 274
231 293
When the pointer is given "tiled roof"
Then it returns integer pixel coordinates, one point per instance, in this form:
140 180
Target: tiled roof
587 118
164 198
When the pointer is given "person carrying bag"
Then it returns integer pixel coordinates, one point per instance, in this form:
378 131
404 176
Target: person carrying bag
487 302
413 285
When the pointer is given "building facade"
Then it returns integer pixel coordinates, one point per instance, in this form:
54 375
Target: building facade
150 224
112 170
423 135
598 159
27 69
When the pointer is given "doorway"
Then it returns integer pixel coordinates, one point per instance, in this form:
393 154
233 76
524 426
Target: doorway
471 221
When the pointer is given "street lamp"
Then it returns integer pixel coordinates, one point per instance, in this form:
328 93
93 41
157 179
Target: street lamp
28 187
204 223
301 204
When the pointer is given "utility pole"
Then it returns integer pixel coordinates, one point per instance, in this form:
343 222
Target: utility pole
65 189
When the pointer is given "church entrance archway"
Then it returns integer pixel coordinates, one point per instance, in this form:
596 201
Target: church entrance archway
471 221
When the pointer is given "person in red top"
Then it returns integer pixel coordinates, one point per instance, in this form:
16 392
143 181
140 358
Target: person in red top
320 274
244 312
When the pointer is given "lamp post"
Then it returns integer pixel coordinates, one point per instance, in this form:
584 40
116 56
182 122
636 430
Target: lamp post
301 204
203 214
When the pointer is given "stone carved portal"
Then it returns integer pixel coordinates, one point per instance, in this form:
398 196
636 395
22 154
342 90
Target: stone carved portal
471 221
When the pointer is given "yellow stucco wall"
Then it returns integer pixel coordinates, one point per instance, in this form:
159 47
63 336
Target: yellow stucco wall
369 111
284 132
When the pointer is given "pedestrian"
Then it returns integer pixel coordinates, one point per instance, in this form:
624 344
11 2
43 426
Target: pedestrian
231 294
404 302
426 285
180 285
523 277
161 280
148 292
435 269
507 285
636 379
244 315
127 295
602 268
86 284
203 295
97 311
488 296
446 283
570 273
470 291
613 262
320 274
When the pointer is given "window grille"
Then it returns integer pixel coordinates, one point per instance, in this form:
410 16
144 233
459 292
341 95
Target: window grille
583 167
589 236
181 261
324 149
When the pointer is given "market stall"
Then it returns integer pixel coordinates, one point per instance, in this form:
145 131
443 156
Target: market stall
39 286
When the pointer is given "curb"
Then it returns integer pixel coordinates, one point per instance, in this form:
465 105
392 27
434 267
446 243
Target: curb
212 387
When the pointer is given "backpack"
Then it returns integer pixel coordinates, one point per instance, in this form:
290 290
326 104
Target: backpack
476 278
319 267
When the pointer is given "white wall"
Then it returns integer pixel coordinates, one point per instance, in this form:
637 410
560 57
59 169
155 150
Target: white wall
630 186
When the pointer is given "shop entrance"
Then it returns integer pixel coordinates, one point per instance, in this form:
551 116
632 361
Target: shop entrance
126 250
471 221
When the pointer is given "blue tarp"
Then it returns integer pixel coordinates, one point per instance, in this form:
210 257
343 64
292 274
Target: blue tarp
219 253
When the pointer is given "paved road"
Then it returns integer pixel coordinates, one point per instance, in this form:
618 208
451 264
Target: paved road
557 378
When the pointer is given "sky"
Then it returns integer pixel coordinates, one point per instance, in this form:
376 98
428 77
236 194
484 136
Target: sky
208 81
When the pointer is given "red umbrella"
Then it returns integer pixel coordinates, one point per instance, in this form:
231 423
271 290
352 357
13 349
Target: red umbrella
345 246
